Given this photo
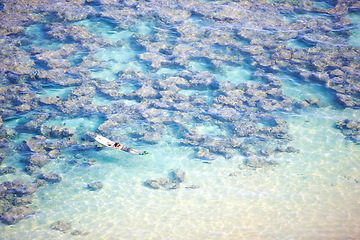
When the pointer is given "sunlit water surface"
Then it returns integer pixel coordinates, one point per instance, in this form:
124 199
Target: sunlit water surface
313 194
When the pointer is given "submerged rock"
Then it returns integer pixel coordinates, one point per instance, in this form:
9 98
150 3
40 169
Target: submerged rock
151 137
54 154
7 170
259 162
57 131
41 145
159 183
307 103
61 226
194 186
153 184
266 152
90 162
24 189
95 185
350 128
34 125
36 144
289 149
32 169
79 233
38 160
51 100
204 154
6 134
14 214
21 201
50 177
145 92
40 182
18 188
178 176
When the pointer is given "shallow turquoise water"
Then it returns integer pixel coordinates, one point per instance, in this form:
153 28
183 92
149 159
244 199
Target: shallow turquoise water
354 38
313 194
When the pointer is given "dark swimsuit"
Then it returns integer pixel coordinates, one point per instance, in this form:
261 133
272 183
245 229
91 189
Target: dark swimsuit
128 149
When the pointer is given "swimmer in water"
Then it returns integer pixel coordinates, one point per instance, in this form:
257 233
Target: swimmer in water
127 149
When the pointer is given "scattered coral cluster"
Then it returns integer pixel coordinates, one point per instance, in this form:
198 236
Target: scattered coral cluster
66 227
177 176
15 197
350 128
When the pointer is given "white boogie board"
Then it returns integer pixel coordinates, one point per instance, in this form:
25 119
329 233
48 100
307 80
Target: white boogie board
104 141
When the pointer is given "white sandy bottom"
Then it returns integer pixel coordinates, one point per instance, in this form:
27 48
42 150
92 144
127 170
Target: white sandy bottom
310 195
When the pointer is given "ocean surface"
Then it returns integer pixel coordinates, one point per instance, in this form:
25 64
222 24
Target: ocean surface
244 97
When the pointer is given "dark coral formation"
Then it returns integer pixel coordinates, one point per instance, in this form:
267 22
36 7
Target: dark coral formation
159 183
95 185
66 227
50 177
14 200
15 214
177 177
79 233
16 196
43 149
61 226
350 128
7 170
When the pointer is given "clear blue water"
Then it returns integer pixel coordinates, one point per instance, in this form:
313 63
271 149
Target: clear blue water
354 18
310 194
